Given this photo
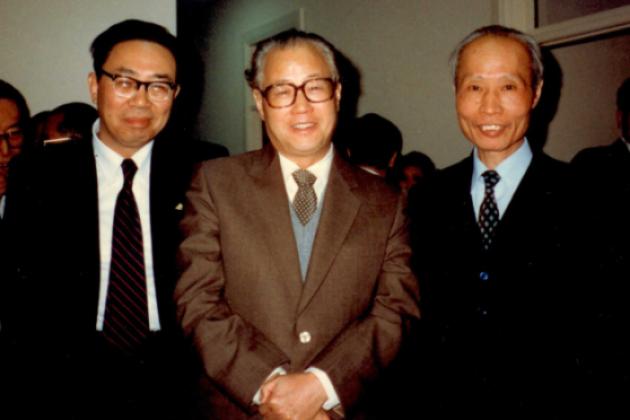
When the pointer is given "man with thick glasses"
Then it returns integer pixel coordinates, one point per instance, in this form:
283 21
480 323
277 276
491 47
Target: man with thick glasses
99 222
296 287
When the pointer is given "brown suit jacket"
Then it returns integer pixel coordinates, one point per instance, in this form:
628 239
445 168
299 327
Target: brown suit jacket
241 297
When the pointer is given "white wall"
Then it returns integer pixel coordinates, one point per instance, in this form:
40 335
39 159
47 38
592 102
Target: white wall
44 44
401 48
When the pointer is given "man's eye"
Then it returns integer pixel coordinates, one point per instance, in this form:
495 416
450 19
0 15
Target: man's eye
125 83
281 91
159 87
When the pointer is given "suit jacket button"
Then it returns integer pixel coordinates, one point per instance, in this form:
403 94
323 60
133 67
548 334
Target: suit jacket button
305 337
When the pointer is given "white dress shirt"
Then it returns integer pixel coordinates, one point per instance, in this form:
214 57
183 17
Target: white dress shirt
110 181
321 170
511 170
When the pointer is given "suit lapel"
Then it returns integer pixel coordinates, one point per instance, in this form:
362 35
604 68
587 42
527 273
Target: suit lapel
82 209
461 182
270 197
340 209
530 195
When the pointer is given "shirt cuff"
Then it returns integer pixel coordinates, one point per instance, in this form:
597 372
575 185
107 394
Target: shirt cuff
331 394
277 371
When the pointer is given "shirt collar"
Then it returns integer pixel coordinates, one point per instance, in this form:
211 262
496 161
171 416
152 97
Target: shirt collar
111 160
321 169
511 169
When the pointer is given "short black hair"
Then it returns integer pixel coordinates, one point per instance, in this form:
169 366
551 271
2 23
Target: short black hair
130 30
7 91
77 119
623 97
373 141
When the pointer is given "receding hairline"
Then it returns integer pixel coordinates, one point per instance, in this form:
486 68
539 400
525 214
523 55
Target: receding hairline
496 37
255 73
295 44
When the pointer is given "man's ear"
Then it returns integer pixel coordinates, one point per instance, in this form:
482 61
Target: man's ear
619 118
93 86
338 95
258 99
537 93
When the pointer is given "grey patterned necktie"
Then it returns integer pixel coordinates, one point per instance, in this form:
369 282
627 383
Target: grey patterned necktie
489 212
305 200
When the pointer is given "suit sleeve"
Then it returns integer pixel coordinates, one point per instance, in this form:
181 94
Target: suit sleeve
235 355
368 345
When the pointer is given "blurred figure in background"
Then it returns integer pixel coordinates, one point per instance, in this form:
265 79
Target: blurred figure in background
413 168
72 120
374 144
604 173
14 117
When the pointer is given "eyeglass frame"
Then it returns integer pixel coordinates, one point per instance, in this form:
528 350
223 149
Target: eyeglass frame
265 92
13 132
139 84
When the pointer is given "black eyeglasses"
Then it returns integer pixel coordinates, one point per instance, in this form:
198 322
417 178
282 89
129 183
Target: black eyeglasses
127 87
282 95
13 137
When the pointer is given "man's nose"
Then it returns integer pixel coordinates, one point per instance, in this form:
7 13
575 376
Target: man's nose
301 103
141 97
5 150
490 102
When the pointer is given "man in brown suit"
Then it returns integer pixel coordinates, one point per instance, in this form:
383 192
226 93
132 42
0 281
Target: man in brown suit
296 287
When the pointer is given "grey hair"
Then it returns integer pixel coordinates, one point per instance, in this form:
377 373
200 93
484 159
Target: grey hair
292 37
528 41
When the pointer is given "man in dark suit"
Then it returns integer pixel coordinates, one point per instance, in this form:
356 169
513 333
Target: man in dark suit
604 174
490 245
14 118
99 334
296 286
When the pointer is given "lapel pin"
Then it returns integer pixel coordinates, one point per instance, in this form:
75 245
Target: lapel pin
179 206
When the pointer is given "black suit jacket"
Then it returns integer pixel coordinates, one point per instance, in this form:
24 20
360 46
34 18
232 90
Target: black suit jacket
493 339
52 215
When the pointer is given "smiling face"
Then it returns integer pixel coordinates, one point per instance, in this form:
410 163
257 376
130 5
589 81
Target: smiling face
127 124
494 96
303 131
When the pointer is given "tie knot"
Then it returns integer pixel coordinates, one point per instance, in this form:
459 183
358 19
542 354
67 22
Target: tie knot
129 170
304 178
490 178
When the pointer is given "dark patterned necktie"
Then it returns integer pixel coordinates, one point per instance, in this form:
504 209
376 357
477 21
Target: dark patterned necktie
305 200
488 212
126 323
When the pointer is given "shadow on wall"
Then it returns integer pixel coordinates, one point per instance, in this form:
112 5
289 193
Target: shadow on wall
547 107
350 93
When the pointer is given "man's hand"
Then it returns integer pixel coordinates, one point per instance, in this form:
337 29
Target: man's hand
297 396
